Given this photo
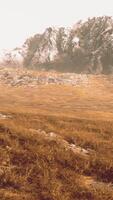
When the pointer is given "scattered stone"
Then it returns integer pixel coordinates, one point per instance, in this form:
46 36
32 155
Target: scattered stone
51 134
20 77
78 149
8 148
3 116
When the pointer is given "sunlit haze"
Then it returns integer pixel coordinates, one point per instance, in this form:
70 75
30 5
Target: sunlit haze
20 19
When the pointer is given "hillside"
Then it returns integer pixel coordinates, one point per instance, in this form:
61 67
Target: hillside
56 140
56 115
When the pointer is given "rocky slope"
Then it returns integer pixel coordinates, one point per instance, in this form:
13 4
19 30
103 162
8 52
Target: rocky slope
22 77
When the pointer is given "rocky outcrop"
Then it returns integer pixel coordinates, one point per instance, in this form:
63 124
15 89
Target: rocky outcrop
51 136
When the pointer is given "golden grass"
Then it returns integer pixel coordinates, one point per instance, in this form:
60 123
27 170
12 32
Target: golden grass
37 167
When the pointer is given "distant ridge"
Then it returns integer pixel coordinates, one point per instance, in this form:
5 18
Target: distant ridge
87 47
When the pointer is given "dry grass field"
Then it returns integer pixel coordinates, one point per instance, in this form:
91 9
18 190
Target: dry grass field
56 142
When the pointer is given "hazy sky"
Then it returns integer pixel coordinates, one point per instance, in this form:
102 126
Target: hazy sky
20 19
